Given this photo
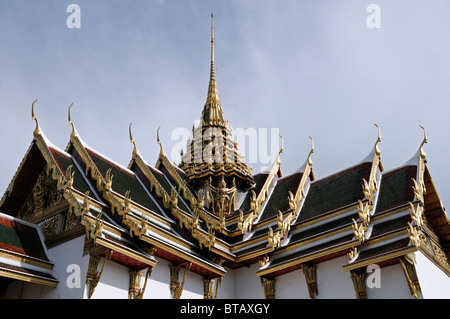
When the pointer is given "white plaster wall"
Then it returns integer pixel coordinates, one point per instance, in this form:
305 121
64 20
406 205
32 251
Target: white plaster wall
158 283
64 255
114 282
433 281
226 289
291 286
333 282
246 284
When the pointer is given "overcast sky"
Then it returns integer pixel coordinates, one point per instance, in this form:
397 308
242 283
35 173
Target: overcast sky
304 68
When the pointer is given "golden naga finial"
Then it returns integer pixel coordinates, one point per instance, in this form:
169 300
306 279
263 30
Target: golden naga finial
135 150
74 131
282 143
425 140
159 142
310 152
377 150
37 130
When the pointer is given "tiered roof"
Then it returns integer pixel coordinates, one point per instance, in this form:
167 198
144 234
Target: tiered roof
212 152
23 255
134 215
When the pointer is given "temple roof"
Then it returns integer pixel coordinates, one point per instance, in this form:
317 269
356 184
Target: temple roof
213 215
23 254
146 212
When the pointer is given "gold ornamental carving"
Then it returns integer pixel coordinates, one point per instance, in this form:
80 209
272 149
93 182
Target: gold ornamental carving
274 239
310 273
264 260
416 214
269 287
359 283
49 227
176 289
135 291
92 275
284 222
211 287
138 228
409 271
359 230
369 189
43 195
415 235
246 225
419 184
221 199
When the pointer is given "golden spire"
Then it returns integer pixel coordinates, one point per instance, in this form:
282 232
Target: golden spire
212 112
200 164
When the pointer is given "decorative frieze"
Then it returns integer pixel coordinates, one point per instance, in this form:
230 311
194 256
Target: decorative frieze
43 196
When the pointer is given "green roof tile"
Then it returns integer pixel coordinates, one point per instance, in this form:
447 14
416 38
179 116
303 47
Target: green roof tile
124 181
396 188
336 191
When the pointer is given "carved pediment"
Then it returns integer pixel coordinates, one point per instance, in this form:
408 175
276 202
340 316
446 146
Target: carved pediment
43 196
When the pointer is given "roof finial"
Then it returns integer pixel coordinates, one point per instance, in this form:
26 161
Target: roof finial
74 131
37 130
212 112
425 140
212 37
281 149
135 151
310 152
377 150
212 90
161 152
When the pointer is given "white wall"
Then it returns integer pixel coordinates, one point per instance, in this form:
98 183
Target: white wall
70 266
226 289
242 283
435 284
246 284
332 281
291 286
